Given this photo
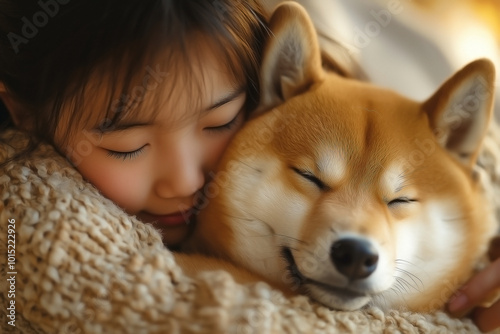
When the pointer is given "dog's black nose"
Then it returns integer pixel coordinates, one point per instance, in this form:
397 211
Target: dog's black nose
354 258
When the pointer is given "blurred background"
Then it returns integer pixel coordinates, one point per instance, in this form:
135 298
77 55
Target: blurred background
411 46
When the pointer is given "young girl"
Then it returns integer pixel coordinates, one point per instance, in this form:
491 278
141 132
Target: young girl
142 96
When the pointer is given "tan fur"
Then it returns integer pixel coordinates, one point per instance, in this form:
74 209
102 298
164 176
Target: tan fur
326 158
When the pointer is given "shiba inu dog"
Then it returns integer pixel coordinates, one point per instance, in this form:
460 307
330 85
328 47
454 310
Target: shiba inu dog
350 193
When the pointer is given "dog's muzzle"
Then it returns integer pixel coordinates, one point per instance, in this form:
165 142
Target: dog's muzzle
354 258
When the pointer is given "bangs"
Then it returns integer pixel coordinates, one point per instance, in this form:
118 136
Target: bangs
140 78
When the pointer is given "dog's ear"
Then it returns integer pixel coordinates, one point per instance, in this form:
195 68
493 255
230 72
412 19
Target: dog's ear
460 111
292 58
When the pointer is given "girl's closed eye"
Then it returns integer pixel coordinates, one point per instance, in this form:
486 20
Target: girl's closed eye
227 126
126 155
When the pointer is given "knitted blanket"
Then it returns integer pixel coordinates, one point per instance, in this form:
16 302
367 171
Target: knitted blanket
82 265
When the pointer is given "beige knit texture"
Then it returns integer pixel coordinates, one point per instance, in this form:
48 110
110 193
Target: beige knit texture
85 266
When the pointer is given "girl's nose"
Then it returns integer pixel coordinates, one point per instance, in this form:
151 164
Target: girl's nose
181 176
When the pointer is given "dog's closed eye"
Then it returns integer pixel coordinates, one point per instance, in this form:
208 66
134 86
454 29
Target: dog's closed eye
401 200
311 178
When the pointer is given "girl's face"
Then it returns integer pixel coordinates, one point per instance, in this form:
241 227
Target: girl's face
154 167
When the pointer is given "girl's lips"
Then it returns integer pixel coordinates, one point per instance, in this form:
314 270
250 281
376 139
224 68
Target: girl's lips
170 220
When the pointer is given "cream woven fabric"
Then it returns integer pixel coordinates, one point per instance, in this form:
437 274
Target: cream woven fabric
85 266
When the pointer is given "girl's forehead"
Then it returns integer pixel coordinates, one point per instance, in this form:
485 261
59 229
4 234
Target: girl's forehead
177 88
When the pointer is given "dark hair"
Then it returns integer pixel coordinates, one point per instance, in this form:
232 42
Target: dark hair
49 49
4 116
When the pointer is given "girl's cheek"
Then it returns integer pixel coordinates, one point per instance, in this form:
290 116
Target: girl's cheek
217 149
121 182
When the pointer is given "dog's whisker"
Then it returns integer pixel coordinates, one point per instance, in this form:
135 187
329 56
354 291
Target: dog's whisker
407 272
419 285
402 284
396 291
408 284
383 298
399 262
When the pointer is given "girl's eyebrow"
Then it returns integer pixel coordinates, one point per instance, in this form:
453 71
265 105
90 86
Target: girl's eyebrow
226 99
121 127
134 124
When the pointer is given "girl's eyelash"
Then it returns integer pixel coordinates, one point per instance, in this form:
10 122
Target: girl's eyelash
133 154
225 127
126 155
